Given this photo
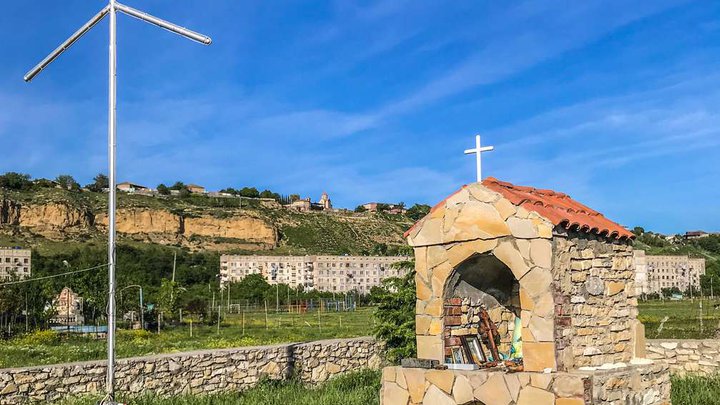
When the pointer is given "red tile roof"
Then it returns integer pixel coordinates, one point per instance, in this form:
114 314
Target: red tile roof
559 208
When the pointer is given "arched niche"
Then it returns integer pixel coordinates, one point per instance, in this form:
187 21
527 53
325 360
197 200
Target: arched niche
481 281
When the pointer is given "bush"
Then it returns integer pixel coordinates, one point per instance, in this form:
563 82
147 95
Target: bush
42 337
395 314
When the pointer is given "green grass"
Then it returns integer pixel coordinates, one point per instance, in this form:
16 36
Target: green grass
281 328
695 390
356 388
683 319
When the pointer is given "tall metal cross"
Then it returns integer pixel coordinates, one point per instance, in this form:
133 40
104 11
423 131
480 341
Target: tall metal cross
478 155
111 9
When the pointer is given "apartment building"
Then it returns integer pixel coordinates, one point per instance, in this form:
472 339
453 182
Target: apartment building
15 261
324 273
655 272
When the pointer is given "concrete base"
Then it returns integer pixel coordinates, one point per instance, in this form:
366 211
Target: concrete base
643 383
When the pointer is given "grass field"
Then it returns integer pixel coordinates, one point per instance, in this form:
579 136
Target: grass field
685 319
48 348
356 388
696 390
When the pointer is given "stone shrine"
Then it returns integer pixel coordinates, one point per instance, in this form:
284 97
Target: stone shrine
534 260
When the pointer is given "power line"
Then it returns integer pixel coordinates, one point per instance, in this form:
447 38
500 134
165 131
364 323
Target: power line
53 276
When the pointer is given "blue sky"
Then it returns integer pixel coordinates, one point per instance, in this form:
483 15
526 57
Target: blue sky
611 102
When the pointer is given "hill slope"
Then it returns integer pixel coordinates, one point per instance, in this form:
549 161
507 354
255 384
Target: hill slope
47 218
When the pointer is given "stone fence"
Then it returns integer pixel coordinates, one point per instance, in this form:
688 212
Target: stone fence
687 355
205 371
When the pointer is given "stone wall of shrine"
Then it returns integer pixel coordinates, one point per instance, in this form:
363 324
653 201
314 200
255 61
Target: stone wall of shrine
647 384
596 308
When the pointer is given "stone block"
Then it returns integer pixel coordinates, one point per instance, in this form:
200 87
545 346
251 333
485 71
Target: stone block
462 391
542 328
435 396
463 250
505 208
614 287
427 232
541 380
541 253
493 391
535 396
476 220
639 343
422 290
537 282
538 356
568 386
430 347
434 307
388 374
415 380
422 324
442 379
522 228
507 253
394 395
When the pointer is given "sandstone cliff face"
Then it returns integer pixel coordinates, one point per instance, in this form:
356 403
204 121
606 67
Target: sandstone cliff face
52 220
54 216
245 227
138 221
59 221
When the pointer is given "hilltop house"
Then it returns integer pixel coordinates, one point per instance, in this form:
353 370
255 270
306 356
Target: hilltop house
195 189
132 187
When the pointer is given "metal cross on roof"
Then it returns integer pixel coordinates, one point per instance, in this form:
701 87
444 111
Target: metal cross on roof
478 155
111 9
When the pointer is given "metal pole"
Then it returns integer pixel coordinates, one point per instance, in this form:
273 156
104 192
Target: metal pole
112 126
478 160
142 311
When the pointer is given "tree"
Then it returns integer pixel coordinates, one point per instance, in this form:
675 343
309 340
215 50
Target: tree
250 192
67 182
417 211
100 182
638 230
168 297
229 190
179 185
269 194
360 208
395 314
163 189
294 197
44 183
253 287
379 249
15 181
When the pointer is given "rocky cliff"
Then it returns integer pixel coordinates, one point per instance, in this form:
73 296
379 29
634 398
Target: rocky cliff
61 221
47 216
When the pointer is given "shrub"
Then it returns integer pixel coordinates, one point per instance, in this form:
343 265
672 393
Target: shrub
395 314
41 337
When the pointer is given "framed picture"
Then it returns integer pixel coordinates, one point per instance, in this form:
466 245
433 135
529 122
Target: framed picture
457 355
474 349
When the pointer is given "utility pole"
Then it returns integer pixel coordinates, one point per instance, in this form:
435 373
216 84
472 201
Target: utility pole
111 10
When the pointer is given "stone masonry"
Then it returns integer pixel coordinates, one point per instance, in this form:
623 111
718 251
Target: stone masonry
701 356
570 269
596 308
636 384
198 372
